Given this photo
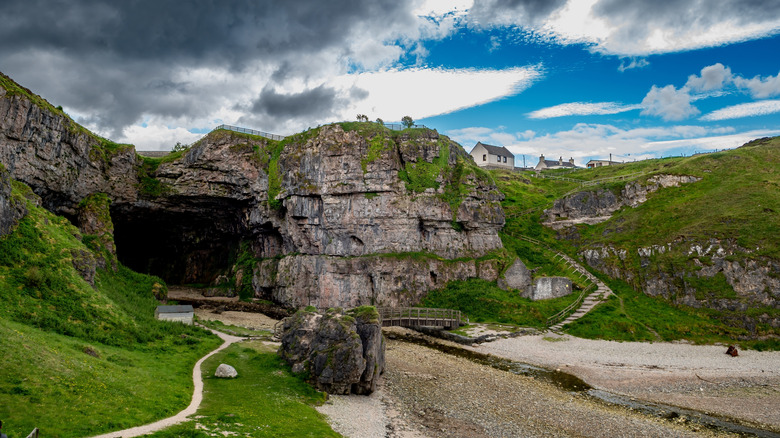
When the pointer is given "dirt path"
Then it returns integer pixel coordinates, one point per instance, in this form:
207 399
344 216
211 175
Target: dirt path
197 398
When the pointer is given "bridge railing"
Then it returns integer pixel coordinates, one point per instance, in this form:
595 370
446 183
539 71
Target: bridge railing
419 316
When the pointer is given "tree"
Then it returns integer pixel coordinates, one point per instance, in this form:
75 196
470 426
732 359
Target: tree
180 147
362 118
380 121
407 121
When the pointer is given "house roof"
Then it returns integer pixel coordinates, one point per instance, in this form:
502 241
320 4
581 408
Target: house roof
496 150
551 163
186 308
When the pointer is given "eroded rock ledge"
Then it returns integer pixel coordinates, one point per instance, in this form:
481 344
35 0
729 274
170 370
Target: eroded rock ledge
595 206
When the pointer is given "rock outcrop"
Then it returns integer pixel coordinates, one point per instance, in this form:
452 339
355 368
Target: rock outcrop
595 206
11 210
715 274
335 216
342 352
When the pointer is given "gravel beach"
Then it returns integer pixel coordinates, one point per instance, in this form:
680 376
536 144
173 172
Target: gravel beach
433 394
700 377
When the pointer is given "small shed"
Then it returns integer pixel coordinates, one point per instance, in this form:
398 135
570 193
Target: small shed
181 313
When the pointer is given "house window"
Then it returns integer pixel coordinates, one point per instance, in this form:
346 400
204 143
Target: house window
498 159
504 159
484 157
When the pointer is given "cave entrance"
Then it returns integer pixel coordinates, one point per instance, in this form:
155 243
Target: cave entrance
182 246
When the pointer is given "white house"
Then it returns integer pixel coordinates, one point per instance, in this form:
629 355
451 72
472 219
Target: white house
553 164
180 313
493 156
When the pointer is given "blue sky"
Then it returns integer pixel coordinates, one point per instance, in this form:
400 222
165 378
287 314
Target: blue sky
571 78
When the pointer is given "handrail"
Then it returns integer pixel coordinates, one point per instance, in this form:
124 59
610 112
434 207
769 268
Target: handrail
414 315
250 131
560 316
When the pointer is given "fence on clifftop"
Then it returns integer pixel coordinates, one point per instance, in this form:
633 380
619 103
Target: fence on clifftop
250 131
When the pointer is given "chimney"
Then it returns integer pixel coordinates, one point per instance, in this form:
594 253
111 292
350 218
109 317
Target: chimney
571 160
560 161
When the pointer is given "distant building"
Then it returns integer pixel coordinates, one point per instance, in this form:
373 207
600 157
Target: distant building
180 313
486 155
598 163
552 164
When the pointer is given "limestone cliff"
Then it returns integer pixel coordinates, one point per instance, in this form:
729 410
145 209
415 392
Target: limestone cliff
341 215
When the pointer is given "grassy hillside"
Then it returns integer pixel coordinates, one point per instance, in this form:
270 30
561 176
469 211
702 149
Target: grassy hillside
736 202
737 198
79 360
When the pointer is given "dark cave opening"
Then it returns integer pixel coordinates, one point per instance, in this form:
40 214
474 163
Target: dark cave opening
182 245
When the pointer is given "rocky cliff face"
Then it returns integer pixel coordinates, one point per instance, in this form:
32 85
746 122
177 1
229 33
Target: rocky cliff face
335 216
592 207
11 210
60 160
715 274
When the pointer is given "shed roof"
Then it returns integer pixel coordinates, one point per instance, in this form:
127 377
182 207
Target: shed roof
495 150
185 308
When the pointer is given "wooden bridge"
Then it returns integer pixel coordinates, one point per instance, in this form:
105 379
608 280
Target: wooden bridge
419 317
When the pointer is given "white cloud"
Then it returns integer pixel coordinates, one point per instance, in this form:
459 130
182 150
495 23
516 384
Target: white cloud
669 103
426 92
157 137
713 77
760 87
636 28
635 63
751 109
581 109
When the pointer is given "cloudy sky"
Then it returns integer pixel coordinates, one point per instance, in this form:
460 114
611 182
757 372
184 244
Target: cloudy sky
578 78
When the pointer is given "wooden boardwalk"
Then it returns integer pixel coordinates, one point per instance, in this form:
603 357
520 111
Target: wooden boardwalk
419 317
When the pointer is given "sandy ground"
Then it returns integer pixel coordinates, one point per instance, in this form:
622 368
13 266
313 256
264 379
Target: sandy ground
700 377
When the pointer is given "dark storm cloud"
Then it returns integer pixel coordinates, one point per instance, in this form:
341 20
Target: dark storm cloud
202 30
532 11
309 102
117 60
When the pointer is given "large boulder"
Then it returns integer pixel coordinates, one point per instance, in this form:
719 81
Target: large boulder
342 352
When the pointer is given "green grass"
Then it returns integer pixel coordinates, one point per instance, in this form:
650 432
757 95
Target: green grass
644 318
265 400
483 301
738 197
48 381
49 317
